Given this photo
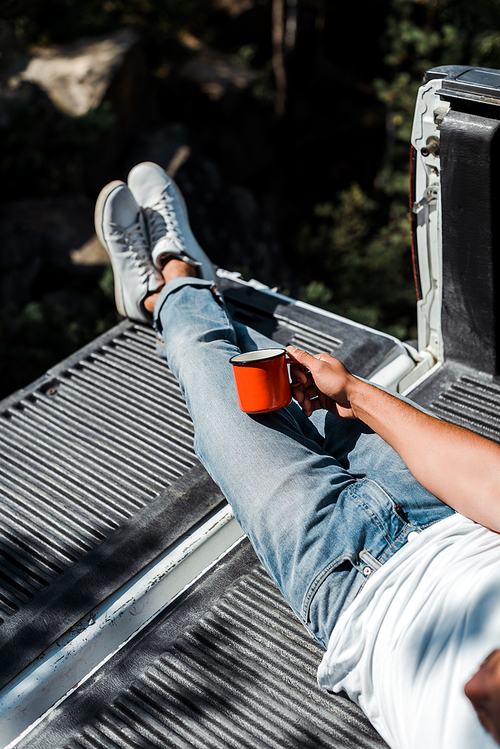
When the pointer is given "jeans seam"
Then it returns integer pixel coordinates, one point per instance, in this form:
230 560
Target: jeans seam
395 541
375 518
319 579
228 320
392 541
428 525
326 571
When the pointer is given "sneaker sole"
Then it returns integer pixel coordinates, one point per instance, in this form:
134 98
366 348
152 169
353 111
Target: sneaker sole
98 216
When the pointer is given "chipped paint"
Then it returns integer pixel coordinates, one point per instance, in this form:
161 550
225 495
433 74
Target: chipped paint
99 635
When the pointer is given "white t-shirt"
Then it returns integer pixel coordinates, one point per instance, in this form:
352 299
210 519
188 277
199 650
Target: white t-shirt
416 633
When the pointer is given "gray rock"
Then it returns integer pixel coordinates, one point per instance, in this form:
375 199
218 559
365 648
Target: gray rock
216 75
234 8
66 117
91 253
78 76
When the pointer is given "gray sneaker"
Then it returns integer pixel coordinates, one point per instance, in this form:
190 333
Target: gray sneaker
120 226
167 220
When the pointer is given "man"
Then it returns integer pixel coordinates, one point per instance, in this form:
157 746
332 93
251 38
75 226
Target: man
348 495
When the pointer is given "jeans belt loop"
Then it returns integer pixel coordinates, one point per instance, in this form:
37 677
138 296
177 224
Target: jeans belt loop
369 560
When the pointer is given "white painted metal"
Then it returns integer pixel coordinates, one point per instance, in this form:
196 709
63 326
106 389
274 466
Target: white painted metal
395 367
97 637
424 369
429 112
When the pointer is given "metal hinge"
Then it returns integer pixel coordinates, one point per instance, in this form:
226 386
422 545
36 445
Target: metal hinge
431 195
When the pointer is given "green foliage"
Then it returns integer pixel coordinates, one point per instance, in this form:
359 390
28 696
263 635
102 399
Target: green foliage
58 152
422 34
363 267
352 249
360 245
244 56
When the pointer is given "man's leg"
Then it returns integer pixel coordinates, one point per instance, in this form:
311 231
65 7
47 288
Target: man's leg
284 489
308 518
278 480
313 513
365 455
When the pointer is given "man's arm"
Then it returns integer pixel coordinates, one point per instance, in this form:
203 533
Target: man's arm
456 465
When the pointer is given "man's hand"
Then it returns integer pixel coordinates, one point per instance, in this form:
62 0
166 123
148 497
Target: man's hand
320 382
458 466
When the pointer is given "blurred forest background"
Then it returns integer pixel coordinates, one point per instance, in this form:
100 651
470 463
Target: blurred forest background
287 124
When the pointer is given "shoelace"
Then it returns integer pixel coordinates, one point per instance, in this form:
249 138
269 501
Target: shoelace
134 240
162 222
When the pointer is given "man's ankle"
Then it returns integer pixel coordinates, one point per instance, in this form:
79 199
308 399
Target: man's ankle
175 268
150 301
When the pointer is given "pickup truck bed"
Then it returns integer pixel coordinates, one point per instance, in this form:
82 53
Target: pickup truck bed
128 594
133 612
98 512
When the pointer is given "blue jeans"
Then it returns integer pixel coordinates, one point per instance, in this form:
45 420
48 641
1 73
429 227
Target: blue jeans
324 501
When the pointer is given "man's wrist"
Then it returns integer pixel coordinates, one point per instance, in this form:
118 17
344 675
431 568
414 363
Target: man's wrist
361 396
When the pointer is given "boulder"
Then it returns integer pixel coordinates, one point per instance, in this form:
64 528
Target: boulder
91 253
234 8
78 76
67 114
217 75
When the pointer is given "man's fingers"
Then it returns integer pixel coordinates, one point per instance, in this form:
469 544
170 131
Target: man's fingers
308 360
311 392
301 356
298 392
298 374
326 383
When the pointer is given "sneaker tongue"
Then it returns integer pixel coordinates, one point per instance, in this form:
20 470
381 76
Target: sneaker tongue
167 244
126 209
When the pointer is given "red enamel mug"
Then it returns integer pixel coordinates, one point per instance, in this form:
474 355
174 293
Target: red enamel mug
262 381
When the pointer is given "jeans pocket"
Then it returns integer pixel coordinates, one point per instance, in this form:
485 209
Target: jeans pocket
330 593
367 528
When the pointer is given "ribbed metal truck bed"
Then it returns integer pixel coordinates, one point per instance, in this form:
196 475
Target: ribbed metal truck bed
91 500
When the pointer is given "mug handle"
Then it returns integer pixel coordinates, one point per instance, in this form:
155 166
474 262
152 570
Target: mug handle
291 360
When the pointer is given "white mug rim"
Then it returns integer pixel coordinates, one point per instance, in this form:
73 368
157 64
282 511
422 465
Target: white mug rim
255 357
